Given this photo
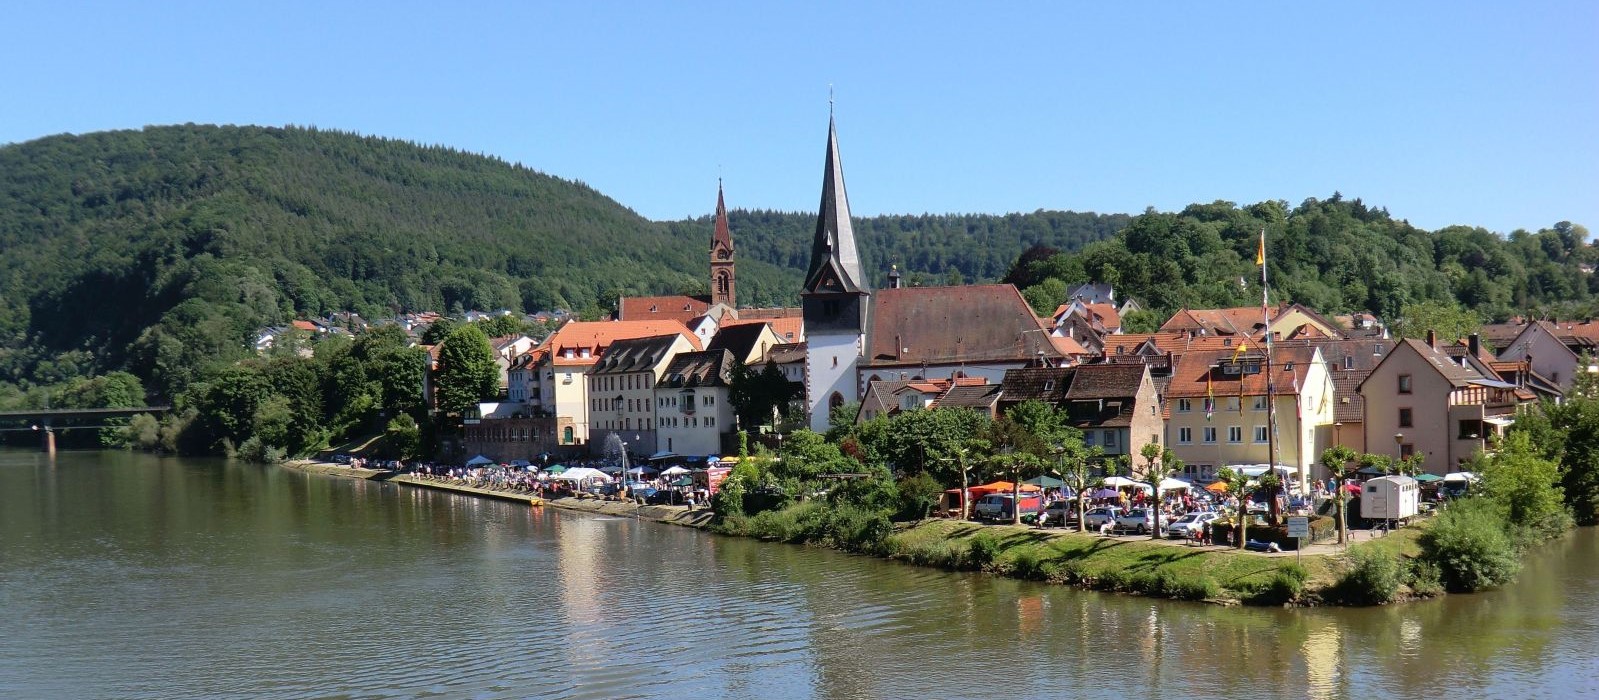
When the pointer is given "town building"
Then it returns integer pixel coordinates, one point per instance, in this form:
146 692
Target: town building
692 408
621 389
1219 414
1446 409
557 371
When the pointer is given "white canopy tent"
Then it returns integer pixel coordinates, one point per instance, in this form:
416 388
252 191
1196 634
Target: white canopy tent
1120 482
581 474
478 461
1174 485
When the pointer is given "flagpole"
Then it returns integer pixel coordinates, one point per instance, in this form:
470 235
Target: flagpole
1271 384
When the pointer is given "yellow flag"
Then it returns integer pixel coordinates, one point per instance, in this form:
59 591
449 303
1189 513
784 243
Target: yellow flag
1260 254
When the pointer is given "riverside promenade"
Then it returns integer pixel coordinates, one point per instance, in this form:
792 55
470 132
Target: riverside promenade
675 515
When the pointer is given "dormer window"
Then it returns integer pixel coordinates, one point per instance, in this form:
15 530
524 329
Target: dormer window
585 353
1049 385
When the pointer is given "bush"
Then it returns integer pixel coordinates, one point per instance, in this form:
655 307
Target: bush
982 550
255 450
1471 547
1425 578
1373 577
1283 587
1028 564
1195 588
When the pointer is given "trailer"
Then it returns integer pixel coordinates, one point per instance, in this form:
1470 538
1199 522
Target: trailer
1395 498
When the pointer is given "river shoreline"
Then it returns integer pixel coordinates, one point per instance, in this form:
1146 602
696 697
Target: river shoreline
671 515
1128 553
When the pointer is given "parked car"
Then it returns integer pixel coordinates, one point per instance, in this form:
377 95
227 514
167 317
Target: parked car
1061 511
1139 520
665 497
1189 525
1099 516
997 506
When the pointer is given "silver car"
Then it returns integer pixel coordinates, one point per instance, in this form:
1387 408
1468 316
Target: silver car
1101 515
1186 527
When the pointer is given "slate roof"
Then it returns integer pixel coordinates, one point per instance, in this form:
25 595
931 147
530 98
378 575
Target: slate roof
974 323
785 353
741 339
635 354
1048 384
704 368
1091 382
1348 405
879 398
977 396
835 263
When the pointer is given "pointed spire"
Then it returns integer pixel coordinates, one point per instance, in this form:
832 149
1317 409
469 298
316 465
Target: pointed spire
722 236
833 247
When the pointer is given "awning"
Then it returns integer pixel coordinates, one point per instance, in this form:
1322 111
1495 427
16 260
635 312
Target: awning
1491 383
1048 482
1500 421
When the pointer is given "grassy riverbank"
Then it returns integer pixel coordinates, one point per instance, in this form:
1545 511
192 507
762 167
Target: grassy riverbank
1161 568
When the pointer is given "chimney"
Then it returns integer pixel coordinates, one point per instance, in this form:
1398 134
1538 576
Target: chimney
1474 344
1432 339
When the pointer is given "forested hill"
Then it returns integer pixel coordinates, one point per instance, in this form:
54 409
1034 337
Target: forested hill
161 250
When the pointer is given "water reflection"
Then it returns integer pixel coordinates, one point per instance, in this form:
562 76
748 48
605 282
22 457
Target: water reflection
133 576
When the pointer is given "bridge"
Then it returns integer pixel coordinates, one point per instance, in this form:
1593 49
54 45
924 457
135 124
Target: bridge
45 421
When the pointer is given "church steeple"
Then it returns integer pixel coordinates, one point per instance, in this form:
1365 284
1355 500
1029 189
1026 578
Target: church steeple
722 277
835 264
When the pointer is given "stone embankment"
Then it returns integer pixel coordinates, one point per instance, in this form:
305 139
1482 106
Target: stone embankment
675 515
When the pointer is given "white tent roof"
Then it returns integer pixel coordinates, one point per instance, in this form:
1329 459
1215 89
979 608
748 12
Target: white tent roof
581 474
1117 482
674 471
1460 476
1174 485
480 459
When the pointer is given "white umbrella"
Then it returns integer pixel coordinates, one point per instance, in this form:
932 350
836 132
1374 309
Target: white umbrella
641 471
674 471
1460 476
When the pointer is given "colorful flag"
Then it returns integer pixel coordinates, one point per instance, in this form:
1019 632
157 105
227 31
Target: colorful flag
1210 395
1260 254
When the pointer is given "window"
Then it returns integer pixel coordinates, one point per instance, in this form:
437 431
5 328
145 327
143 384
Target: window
1184 405
1470 430
1405 418
1406 450
1260 403
1233 405
1260 434
1404 383
1235 434
1349 361
1088 438
1110 438
1185 436
1210 436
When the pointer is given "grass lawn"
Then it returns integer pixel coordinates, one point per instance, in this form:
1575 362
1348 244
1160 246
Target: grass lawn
1095 558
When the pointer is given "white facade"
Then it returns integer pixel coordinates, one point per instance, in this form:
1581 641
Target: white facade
831 363
692 420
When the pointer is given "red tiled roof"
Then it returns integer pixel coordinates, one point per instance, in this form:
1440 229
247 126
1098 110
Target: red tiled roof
595 336
304 326
678 308
954 324
1189 377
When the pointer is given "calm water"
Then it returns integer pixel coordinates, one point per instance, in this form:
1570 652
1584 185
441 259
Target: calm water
129 576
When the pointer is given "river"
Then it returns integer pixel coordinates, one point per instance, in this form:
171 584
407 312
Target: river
134 576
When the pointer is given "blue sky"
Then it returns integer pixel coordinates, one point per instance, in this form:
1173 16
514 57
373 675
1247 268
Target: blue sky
1484 114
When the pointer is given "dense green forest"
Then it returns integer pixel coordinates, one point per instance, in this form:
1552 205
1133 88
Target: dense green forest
1334 255
160 251
138 264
